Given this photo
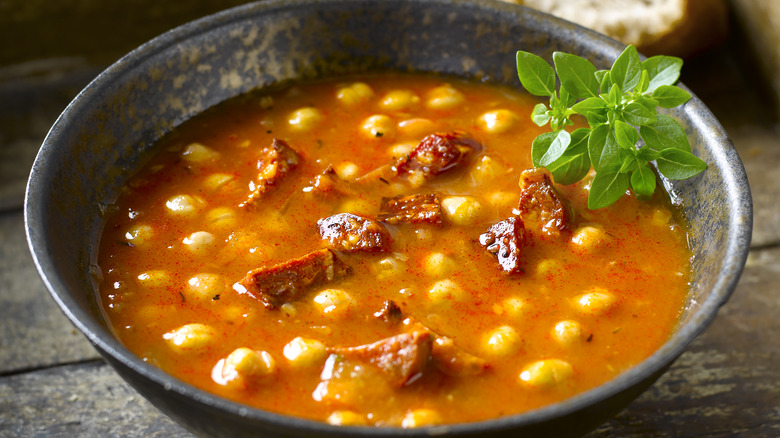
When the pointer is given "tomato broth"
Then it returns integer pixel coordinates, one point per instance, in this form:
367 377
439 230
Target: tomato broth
398 319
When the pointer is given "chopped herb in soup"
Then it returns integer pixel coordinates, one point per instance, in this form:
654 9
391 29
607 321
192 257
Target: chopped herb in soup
380 251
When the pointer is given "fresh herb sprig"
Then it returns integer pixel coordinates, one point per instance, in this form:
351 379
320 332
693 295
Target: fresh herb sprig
615 103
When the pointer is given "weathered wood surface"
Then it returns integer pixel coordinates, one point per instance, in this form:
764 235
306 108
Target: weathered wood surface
726 384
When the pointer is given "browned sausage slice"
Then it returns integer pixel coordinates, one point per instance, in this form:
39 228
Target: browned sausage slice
505 240
288 281
402 358
436 154
350 232
412 208
275 162
541 206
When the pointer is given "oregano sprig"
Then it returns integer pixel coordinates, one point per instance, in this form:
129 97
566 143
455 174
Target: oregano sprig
625 132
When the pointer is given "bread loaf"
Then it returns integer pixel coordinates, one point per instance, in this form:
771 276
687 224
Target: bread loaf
670 27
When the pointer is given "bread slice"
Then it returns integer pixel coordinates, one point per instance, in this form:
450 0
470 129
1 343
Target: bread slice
671 27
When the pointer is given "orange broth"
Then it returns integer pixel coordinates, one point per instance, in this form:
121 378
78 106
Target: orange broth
158 277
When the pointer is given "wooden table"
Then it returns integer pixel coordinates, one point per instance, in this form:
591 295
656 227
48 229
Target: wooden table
52 382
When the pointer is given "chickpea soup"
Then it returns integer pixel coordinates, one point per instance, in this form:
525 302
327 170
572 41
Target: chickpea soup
379 251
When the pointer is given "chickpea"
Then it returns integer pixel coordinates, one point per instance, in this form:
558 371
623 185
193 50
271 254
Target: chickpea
389 266
346 418
246 363
513 307
597 301
217 181
444 291
183 205
304 119
416 127
461 210
568 332
355 94
503 200
439 265
399 100
589 238
444 97
379 126
487 169
205 286
502 341
333 302
399 150
546 373
140 234
421 417
357 206
498 121
547 267
155 279
347 170
196 153
190 337
199 241
222 219
301 352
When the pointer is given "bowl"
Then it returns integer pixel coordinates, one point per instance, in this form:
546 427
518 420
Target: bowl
108 131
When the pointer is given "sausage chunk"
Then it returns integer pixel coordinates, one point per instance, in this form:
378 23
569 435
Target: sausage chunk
505 240
412 208
402 358
390 313
436 154
349 232
540 204
288 281
275 162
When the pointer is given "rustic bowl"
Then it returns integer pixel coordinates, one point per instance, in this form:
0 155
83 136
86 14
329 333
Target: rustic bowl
106 132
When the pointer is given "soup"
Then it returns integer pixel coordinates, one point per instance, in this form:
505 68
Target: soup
377 251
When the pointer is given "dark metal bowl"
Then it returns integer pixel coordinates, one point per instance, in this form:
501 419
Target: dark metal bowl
107 131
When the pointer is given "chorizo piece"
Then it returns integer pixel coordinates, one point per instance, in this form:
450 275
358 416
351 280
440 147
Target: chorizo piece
412 208
436 154
541 205
402 358
275 162
505 240
350 232
288 281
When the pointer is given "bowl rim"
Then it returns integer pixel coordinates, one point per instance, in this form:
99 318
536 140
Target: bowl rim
738 239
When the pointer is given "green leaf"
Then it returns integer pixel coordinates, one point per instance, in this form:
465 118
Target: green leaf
678 164
669 96
600 75
664 134
603 149
644 82
548 147
649 103
591 105
627 69
606 188
615 96
643 181
637 114
595 120
662 70
647 153
626 135
574 164
605 83
536 75
566 97
556 148
576 74
540 115
628 164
